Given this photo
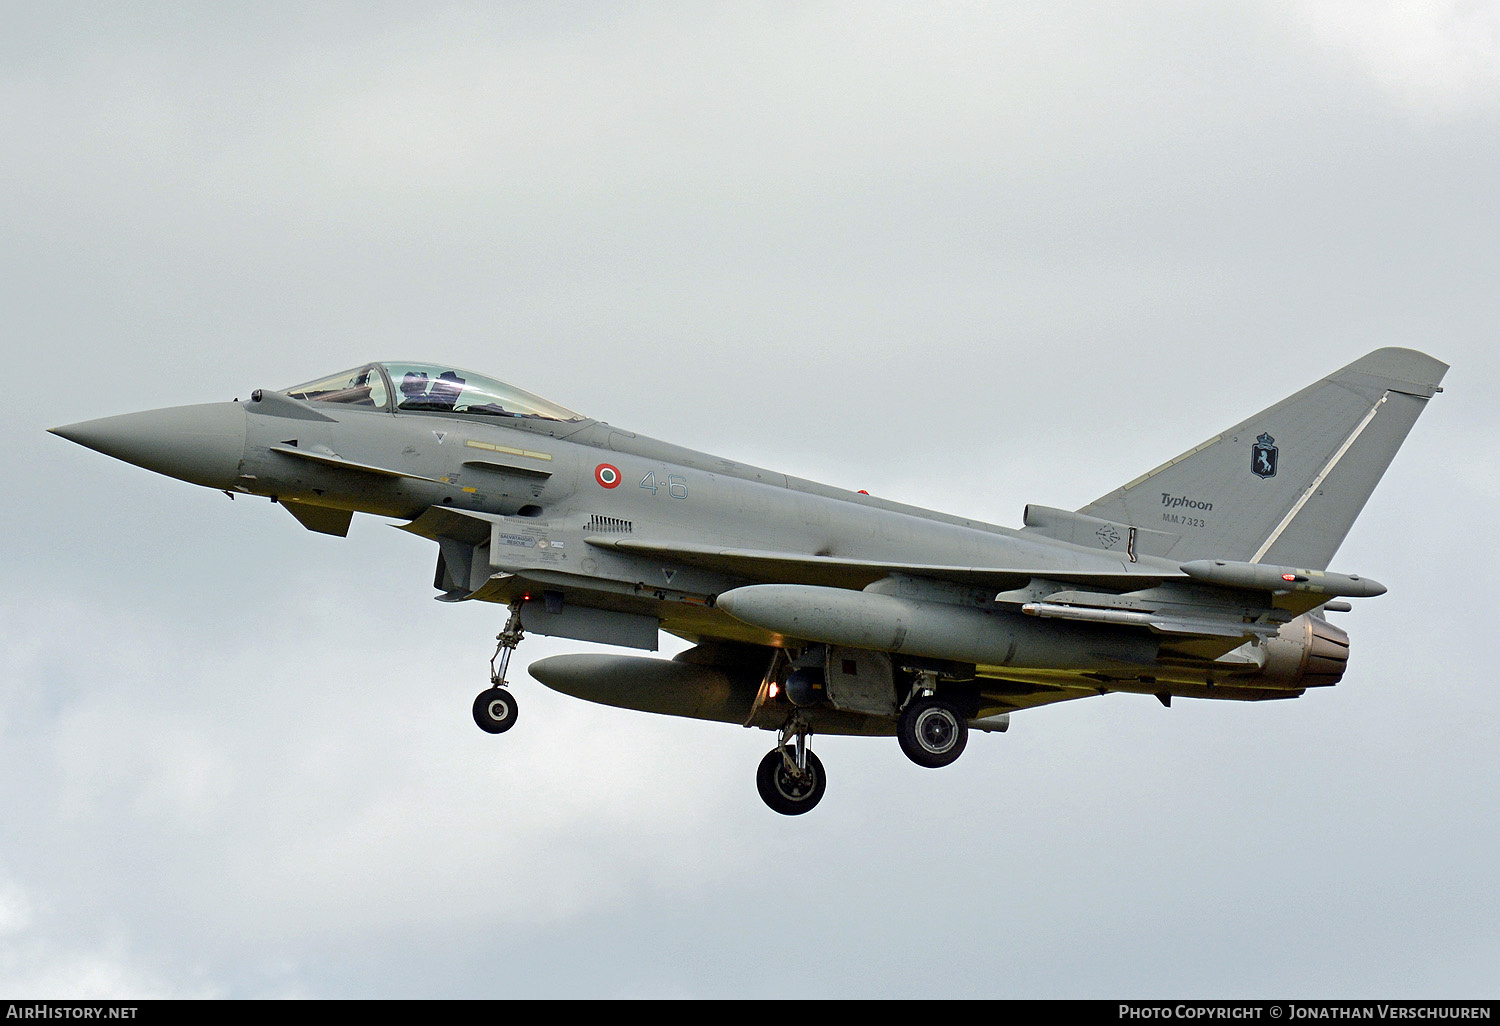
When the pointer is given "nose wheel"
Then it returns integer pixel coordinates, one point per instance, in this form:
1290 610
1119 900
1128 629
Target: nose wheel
495 710
495 707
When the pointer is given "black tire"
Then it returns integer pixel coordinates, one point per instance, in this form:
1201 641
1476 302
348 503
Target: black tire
932 732
785 793
495 710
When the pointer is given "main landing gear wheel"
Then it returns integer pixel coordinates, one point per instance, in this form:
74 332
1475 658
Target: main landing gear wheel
495 710
784 788
932 732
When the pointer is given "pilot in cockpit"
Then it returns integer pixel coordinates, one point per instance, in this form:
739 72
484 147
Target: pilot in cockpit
429 388
445 390
413 389
413 386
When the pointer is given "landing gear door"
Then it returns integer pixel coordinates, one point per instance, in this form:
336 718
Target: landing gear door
861 680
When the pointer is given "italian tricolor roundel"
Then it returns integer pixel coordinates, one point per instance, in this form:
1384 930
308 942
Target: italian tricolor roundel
607 474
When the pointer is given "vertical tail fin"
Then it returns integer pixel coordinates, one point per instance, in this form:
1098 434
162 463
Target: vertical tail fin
1285 485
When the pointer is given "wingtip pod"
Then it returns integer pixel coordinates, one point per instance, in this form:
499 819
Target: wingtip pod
1264 577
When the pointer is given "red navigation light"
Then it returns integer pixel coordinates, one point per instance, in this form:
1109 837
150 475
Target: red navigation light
1288 577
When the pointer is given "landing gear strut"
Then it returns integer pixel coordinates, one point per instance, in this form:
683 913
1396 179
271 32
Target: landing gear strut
790 778
495 707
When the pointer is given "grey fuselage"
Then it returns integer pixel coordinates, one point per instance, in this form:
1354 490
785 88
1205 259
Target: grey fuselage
542 476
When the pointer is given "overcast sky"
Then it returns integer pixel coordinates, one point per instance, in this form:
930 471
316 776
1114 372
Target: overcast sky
964 255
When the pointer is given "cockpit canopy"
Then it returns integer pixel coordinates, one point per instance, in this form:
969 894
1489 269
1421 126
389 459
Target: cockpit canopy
428 388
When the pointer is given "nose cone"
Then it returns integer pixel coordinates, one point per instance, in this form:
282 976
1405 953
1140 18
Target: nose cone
201 444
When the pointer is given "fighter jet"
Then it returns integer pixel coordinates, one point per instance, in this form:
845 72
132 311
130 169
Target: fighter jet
810 609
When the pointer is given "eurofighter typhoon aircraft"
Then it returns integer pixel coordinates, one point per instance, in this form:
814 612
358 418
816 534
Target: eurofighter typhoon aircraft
814 610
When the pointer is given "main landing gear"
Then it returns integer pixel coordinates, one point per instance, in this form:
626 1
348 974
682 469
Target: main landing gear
932 732
495 707
790 778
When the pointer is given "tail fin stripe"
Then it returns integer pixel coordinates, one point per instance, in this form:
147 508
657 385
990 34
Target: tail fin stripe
1318 481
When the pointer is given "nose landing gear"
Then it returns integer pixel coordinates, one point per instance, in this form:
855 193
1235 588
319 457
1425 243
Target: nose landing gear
495 707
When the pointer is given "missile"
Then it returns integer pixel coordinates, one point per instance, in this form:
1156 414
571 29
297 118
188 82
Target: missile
1260 577
935 630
